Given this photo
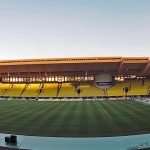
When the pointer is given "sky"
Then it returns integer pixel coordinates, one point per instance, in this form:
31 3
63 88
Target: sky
74 28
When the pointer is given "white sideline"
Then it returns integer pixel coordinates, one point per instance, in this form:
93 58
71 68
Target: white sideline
143 100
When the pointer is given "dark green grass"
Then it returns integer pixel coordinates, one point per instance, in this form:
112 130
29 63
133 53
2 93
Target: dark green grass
74 119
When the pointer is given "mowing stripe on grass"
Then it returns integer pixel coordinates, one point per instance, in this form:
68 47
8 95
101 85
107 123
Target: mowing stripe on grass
75 119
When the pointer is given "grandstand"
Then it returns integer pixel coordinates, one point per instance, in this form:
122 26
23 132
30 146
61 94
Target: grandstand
46 90
75 77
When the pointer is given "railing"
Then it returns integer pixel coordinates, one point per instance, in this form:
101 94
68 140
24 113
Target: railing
61 60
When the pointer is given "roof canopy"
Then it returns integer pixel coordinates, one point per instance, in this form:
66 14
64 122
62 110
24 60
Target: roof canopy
139 66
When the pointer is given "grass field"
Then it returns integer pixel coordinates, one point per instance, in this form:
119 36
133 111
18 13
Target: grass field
74 119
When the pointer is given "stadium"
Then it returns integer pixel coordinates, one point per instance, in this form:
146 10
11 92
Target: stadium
75 97
75 75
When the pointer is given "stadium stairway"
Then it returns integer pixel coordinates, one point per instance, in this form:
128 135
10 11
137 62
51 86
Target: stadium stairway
14 90
49 90
31 90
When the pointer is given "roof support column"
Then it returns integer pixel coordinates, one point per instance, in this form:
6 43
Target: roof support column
145 69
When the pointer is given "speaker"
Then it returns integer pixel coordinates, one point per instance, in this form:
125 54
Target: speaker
13 139
7 139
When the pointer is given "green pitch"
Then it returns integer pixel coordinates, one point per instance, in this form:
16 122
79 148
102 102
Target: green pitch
74 119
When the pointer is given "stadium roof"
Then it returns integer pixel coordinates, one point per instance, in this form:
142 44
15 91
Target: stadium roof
139 66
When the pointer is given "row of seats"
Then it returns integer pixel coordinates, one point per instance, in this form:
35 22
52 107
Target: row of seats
49 90
135 87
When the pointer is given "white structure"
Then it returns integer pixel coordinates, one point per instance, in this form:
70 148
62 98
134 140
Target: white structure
103 81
